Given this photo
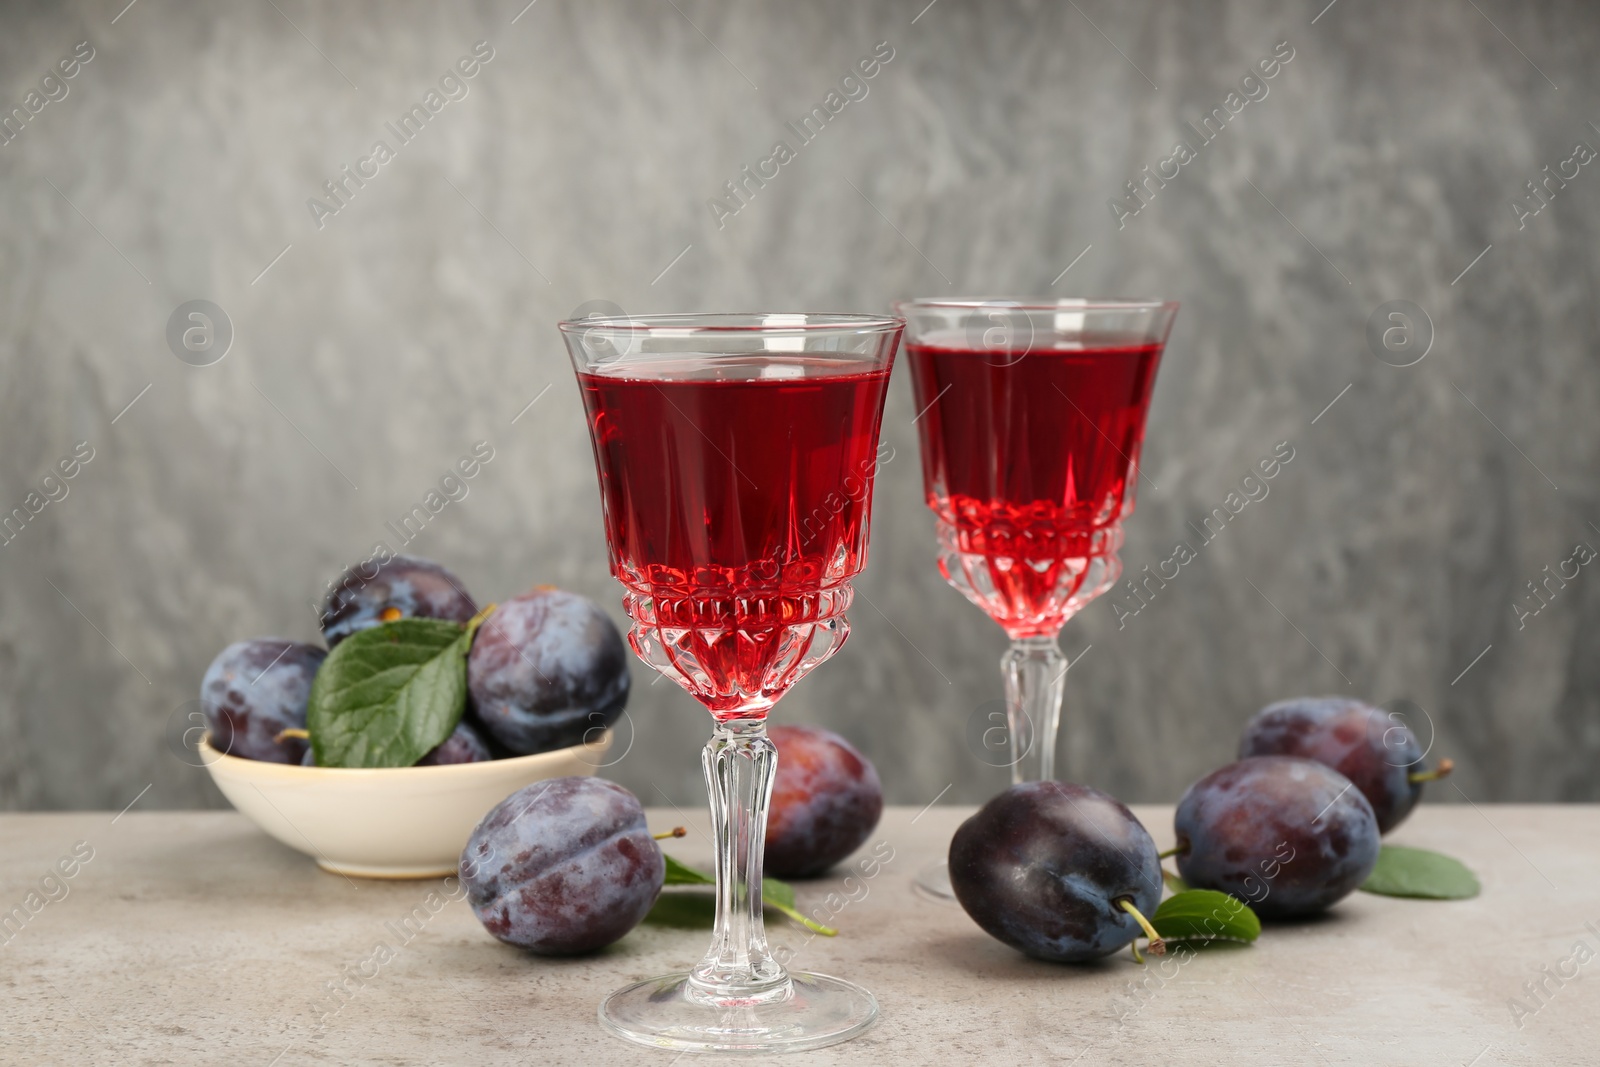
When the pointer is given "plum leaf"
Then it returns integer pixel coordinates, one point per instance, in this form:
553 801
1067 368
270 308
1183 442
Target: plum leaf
679 874
1421 874
687 911
779 896
1205 915
388 695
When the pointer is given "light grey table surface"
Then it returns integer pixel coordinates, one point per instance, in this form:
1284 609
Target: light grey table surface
190 937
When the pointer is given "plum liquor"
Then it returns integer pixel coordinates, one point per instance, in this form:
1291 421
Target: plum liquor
1028 462
745 470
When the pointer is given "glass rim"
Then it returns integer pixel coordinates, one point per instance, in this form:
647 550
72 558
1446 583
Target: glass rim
738 322
1036 303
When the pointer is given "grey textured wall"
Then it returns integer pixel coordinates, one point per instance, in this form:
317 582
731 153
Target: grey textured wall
418 319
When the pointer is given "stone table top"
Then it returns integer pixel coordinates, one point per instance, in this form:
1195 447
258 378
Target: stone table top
191 937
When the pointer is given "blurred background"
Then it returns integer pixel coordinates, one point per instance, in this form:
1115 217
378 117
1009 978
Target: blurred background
1435 153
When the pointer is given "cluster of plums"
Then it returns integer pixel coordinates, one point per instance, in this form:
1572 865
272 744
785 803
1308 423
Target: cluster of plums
545 670
1060 870
568 865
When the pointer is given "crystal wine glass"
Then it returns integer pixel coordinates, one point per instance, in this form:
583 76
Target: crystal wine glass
1031 417
736 456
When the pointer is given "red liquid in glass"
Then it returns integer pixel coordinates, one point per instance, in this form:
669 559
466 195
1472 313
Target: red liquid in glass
1029 460
736 509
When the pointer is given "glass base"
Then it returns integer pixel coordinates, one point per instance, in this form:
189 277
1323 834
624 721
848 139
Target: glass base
807 1012
935 881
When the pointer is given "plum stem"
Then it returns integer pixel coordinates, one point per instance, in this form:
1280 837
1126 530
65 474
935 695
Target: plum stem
284 735
480 616
676 831
1173 851
1158 947
1446 765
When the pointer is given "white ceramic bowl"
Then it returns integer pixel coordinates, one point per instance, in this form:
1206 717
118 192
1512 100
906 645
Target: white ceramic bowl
404 822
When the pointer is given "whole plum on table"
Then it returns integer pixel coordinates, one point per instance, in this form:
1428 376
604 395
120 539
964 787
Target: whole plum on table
1374 749
826 800
1288 836
464 745
1050 868
563 866
548 670
400 587
253 691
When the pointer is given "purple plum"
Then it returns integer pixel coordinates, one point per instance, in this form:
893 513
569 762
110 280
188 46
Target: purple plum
253 691
548 670
1374 749
464 745
826 800
400 587
1046 867
563 866
1287 836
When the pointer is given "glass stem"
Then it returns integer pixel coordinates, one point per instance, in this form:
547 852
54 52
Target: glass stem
1036 676
739 762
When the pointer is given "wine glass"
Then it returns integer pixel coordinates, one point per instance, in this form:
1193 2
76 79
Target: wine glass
736 456
1031 417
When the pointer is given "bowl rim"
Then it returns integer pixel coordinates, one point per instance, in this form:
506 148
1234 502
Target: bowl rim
442 771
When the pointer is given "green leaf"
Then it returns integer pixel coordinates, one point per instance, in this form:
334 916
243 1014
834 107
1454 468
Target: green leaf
1205 915
779 896
1417 872
686 911
678 874
385 696
1173 882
